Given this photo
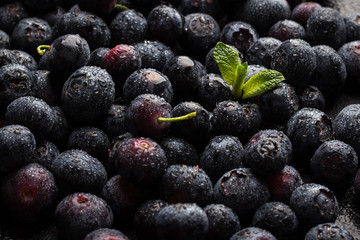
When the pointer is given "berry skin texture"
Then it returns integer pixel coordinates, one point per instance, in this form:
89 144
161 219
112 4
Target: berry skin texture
287 29
303 11
181 221
261 51
80 213
114 123
334 164
97 57
242 191
311 97
45 153
179 151
4 40
314 204
106 233
253 233
327 231
352 22
296 60
267 152
140 159
88 94
350 53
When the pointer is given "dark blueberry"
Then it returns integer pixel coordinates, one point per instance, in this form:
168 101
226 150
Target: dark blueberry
98 7
282 184
88 94
276 217
350 53
124 197
242 191
28 194
7 56
223 222
145 217
89 26
326 26
210 63
140 159
238 119
45 153
24 58
303 11
148 80
296 60
252 233
114 123
215 8
262 14
51 16
196 130
141 117
11 14
153 54
31 112
307 129
314 204
261 51
128 27
165 24
267 152
41 5
45 87
75 170
330 73
106 233
179 151
311 97
97 57
187 184
328 231
334 164
356 184
253 69
29 33
223 153
181 221
80 213
201 33
15 81
4 40
91 140
213 89
352 23
239 34
287 29
184 74
120 62
67 53
17 145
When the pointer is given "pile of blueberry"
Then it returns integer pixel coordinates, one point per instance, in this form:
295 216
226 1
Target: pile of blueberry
116 121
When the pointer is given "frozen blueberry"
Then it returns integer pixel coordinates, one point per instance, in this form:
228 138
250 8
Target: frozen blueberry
252 233
7 56
180 151
181 221
327 231
114 123
45 153
352 22
303 11
106 233
350 54
314 204
261 51
24 58
311 97
287 29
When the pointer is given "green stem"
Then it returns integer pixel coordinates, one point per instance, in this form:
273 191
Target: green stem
42 49
121 7
177 119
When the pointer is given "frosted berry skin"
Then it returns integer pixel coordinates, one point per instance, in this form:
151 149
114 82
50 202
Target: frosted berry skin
80 213
29 193
45 88
352 27
328 231
310 96
242 191
88 94
180 151
267 152
97 57
314 204
251 233
350 53
296 70
106 233
287 29
261 51
45 153
223 222
114 122
303 11
181 221
140 159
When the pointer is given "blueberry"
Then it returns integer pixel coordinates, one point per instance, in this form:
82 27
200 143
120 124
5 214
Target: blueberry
11 14
106 233
97 57
252 70
210 63
45 153
223 153
45 87
75 170
187 184
326 26
252 233
181 221
276 217
179 151
296 60
88 94
261 51
51 16
327 231
7 56
24 58
267 152
352 27
223 222
311 97
114 123
79 213
287 29
314 204
349 52
303 11
128 27
33 113
242 191
4 40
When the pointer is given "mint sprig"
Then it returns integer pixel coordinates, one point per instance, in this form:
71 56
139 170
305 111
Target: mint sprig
234 72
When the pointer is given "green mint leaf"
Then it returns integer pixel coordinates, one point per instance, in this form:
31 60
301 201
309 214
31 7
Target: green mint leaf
228 61
261 83
239 81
